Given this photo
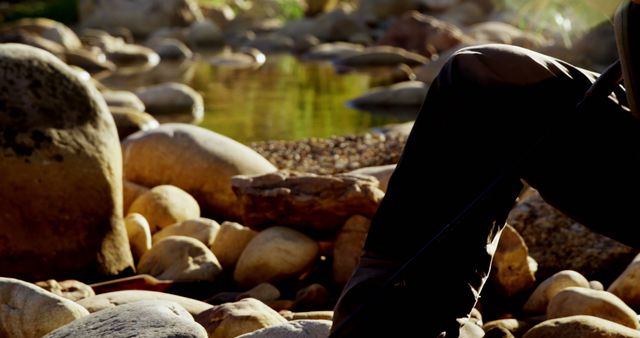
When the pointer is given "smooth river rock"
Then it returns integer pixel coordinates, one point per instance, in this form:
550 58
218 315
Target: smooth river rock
143 319
539 299
195 159
165 205
233 319
581 327
117 298
26 310
60 173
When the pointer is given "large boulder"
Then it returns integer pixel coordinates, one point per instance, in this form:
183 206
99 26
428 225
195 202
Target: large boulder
140 16
308 202
60 172
195 159
145 319
30 311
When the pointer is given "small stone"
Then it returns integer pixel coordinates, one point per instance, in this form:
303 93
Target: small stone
117 298
203 229
584 301
180 258
231 240
538 300
511 271
294 329
70 289
165 205
348 247
627 285
139 234
263 292
581 327
233 319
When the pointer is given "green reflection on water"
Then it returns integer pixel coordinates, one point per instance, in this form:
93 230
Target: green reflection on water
284 99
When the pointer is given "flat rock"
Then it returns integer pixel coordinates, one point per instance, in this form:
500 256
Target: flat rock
309 202
294 329
581 327
117 298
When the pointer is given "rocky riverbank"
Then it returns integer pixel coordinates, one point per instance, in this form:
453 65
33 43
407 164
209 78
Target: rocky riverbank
120 216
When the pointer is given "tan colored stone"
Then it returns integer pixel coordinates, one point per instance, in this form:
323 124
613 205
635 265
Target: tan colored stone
423 34
122 98
203 229
512 271
515 326
348 247
539 299
381 172
194 159
147 318
165 205
581 327
275 254
627 285
573 301
113 299
70 289
309 202
325 315
231 240
60 173
180 258
131 191
139 234
233 319
30 311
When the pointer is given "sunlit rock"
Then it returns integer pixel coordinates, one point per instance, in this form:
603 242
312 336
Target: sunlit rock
112 299
275 254
348 247
581 327
70 289
61 172
139 234
165 205
180 258
148 318
573 301
195 159
539 299
230 241
24 305
233 319
311 203
203 229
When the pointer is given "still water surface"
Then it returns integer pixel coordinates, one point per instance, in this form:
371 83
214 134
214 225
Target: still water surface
285 99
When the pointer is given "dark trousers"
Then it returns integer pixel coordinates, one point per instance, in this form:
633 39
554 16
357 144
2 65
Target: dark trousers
494 116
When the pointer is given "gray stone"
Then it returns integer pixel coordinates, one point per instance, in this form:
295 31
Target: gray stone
144 319
60 169
403 94
116 298
173 102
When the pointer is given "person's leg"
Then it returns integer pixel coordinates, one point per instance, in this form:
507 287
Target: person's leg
488 109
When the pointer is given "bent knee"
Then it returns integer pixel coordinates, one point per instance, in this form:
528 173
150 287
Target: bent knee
493 64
